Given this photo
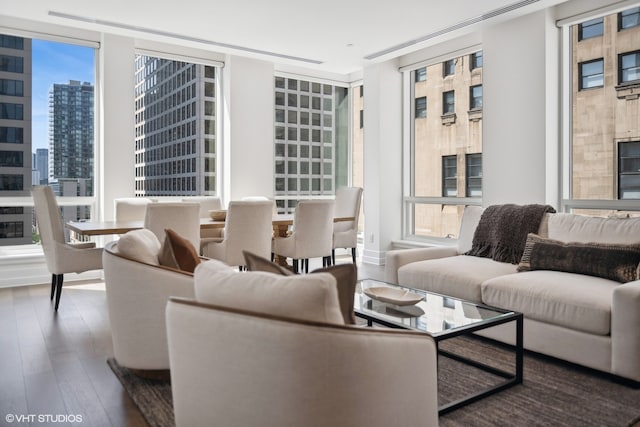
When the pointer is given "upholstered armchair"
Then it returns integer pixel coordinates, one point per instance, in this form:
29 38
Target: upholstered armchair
138 289
345 233
258 349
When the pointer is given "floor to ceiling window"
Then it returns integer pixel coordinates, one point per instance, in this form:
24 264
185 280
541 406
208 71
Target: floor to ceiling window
46 131
176 127
445 147
311 147
602 136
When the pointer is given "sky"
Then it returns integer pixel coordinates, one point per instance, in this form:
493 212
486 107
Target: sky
55 62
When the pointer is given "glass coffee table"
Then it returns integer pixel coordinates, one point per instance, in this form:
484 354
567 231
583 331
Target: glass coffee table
441 317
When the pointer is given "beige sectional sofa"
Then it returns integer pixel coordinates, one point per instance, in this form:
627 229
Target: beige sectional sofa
584 319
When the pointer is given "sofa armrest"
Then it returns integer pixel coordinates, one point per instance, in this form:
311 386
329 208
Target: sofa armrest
625 335
397 258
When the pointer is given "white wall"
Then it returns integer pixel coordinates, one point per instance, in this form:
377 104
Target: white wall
248 86
117 138
382 197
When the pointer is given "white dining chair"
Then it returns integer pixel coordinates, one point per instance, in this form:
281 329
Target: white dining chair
183 218
247 228
312 234
61 256
207 203
127 209
345 233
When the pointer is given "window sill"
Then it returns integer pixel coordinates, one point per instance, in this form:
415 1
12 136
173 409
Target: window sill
628 91
448 119
475 115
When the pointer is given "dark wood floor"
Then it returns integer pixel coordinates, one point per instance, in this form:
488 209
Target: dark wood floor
54 364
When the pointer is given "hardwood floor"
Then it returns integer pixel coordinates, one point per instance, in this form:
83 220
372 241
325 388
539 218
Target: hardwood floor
53 365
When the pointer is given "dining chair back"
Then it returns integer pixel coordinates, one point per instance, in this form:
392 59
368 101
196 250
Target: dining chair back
312 234
61 257
207 203
126 209
183 218
345 233
248 227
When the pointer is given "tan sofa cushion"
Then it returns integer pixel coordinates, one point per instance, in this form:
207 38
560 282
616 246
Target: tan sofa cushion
571 300
579 228
306 297
140 245
458 276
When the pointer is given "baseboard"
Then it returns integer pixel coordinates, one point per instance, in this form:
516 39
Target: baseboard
373 257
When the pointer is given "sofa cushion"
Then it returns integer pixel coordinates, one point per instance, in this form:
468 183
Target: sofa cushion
306 297
178 252
571 300
458 276
579 228
611 261
140 245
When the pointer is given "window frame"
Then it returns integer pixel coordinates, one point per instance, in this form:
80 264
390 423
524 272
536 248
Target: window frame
621 70
591 24
621 17
581 75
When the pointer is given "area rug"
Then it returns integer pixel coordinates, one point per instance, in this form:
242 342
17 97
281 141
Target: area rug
554 393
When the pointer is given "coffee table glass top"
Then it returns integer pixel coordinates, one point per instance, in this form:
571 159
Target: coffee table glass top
435 314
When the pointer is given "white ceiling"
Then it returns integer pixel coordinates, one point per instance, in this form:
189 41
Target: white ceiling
338 34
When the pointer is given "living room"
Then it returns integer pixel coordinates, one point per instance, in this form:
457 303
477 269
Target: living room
525 115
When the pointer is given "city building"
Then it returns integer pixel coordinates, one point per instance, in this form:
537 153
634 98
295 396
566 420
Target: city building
41 164
15 138
175 128
71 125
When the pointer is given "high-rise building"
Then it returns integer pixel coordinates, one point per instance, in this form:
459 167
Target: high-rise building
311 140
15 138
41 164
71 144
175 119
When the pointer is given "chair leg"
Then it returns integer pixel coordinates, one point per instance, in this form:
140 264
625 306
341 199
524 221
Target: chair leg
53 285
353 255
295 265
306 265
333 257
59 290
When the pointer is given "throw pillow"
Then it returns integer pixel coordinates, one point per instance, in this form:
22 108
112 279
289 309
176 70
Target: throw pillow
178 252
618 262
310 297
258 263
346 276
140 245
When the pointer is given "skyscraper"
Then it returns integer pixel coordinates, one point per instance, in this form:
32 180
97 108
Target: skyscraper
71 144
42 165
175 147
15 137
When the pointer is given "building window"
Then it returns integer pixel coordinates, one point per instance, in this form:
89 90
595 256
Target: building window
421 107
475 97
629 170
361 119
11 135
449 176
11 64
590 29
629 18
11 230
11 111
11 87
592 74
476 60
11 42
12 159
474 175
448 67
11 182
421 74
629 64
448 102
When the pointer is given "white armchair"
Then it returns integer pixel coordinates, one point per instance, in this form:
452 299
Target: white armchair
137 294
130 208
272 352
181 217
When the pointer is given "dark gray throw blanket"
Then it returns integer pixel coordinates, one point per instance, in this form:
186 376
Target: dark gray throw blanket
502 231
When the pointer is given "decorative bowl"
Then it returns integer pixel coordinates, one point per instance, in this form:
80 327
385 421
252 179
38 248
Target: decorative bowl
393 295
218 215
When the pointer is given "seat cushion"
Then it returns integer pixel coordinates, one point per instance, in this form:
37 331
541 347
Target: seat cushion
305 297
571 300
140 245
457 276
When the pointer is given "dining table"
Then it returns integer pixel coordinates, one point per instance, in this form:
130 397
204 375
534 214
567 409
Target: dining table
280 222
